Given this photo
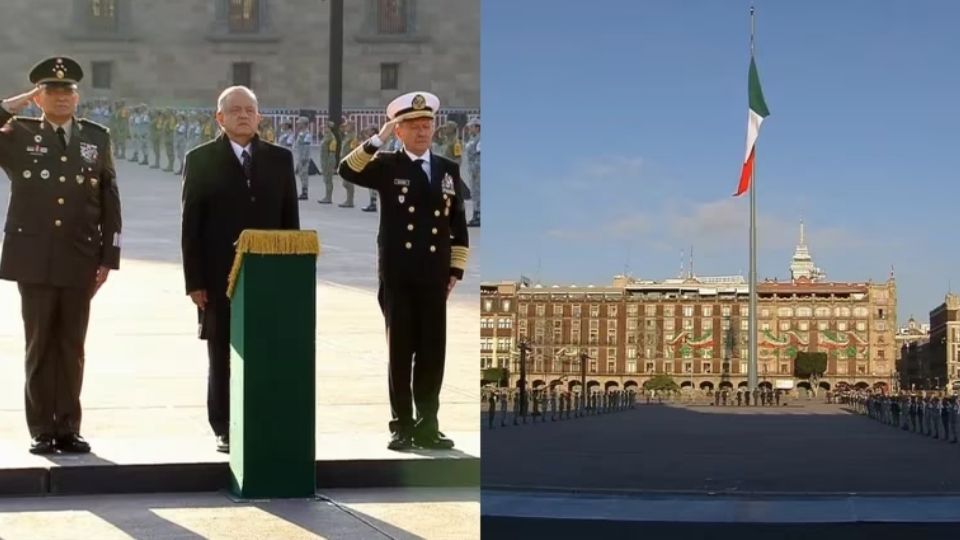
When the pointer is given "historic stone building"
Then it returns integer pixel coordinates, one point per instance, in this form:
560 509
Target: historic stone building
913 366
694 329
183 53
943 350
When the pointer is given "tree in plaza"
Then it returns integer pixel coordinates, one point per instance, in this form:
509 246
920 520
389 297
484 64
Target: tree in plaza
811 366
661 382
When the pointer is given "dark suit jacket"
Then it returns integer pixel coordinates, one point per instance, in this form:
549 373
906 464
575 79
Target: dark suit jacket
423 231
218 205
64 214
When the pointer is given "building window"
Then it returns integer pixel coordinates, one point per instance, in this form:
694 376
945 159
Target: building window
784 325
688 324
575 311
784 369
611 311
706 353
523 309
744 353
688 367
668 367
707 367
841 368
488 305
541 310
503 344
745 325
102 75
611 366
707 311
881 326
102 15
648 367
804 312
668 311
764 312
861 326
243 16
486 323
804 326
389 76
505 323
631 324
725 367
743 366
505 305
785 312
593 366
764 326
650 311
688 311
725 311
594 311
243 74
631 366
842 326
744 311
860 312
725 324
669 325
822 312
632 310
823 325
486 344
392 16
861 369
611 335
558 310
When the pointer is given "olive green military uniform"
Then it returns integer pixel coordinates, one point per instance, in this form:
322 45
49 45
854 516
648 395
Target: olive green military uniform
63 222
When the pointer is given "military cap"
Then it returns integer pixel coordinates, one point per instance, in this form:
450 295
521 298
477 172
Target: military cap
413 105
57 70
475 121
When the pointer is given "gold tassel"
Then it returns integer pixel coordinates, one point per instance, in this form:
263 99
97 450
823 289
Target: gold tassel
260 242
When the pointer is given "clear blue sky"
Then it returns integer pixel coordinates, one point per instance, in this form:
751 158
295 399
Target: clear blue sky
614 132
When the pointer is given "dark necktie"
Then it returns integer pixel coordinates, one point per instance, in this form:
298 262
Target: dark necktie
247 166
63 138
419 163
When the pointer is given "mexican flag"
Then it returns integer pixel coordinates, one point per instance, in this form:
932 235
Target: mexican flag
758 111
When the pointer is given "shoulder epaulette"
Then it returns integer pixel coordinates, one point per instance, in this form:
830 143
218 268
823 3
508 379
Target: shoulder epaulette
26 119
91 123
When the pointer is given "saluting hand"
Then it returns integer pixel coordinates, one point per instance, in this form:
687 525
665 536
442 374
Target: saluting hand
16 104
387 131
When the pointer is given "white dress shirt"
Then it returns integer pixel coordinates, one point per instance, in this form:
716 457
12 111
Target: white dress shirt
238 150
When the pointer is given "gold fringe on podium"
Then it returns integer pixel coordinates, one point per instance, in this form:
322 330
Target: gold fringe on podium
260 242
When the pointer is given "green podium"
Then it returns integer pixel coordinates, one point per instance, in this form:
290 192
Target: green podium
272 288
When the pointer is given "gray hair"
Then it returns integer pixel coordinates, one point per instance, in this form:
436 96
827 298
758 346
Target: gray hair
222 100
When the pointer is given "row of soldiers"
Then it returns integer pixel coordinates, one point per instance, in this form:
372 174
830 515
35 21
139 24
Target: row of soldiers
152 132
762 397
933 415
550 405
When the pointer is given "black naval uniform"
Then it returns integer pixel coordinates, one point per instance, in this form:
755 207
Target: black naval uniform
422 243
218 204
63 222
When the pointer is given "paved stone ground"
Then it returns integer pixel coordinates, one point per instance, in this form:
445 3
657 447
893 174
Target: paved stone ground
810 447
144 392
341 514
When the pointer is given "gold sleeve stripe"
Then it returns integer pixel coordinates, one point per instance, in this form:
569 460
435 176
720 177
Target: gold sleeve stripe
458 257
358 159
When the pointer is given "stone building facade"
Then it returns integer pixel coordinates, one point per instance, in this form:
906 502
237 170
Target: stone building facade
694 329
183 53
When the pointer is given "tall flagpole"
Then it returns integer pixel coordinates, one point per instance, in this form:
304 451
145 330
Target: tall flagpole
752 368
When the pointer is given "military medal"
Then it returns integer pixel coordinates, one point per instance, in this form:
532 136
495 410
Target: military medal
79 179
37 138
401 198
93 182
44 174
89 152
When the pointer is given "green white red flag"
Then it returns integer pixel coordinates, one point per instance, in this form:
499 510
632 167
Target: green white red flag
758 111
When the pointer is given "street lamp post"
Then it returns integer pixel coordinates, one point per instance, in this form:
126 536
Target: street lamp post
524 349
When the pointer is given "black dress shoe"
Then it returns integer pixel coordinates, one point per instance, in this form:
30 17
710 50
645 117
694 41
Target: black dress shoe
325 201
346 205
72 444
369 208
433 441
400 441
42 444
302 197
223 444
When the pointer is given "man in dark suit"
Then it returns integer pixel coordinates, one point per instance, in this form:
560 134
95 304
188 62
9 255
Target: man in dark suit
234 182
62 238
422 253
